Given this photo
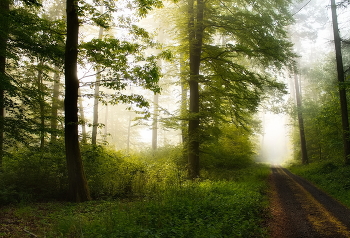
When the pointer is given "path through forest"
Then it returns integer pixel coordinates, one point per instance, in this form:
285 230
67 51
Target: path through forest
299 210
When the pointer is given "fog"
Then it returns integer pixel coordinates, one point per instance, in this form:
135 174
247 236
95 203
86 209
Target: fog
312 38
275 140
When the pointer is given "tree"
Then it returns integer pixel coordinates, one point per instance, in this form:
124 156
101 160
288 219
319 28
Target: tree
4 10
55 105
29 38
78 188
82 117
229 79
113 55
342 89
96 95
195 38
304 156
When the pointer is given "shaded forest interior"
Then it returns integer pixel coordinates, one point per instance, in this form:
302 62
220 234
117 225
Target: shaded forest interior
159 118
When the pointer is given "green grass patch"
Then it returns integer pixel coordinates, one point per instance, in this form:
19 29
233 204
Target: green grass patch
332 177
207 208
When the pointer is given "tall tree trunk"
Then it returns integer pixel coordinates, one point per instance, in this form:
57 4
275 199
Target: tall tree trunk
82 117
95 115
4 10
184 107
195 25
342 89
54 107
41 104
78 188
96 96
304 157
184 101
155 122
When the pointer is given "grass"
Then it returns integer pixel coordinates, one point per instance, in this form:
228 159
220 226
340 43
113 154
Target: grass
208 208
332 177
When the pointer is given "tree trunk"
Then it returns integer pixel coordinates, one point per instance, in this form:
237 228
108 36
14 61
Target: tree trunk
4 10
342 89
78 188
95 115
41 105
184 101
195 34
304 157
82 117
96 96
155 122
54 107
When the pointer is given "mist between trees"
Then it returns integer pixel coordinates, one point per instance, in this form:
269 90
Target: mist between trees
95 94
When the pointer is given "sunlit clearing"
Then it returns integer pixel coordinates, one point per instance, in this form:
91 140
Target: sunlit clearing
275 139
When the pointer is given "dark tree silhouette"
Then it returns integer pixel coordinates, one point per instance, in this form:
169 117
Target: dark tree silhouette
78 188
195 36
304 157
342 90
4 10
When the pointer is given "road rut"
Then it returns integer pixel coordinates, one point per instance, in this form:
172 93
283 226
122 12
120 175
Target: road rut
300 210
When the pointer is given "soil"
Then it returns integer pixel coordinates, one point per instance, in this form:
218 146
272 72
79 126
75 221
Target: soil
300 210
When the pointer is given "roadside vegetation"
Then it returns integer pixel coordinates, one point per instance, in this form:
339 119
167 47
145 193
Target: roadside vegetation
331 176
320 137
132 198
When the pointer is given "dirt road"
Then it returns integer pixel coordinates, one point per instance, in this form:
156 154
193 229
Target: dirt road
300 210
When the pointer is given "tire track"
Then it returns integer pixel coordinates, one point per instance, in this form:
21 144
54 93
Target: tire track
300 210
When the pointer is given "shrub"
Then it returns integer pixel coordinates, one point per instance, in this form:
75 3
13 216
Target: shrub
232 150
32 174
191 209
331 176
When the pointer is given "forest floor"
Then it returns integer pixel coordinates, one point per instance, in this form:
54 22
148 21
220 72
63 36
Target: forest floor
300 210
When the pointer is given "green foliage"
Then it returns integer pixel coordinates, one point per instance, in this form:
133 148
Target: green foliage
112 174
231 149
40 174
123 64
200 209
146 195
331 176
321 113
35 36
243 45
32 40
31 174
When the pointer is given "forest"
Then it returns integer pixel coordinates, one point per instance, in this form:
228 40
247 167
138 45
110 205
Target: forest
162 118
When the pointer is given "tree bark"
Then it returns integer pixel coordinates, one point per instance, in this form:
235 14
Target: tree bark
95 116
54 107
82 117
78 188
342 89
195 25
4 10
96 96
41 104
184 101
304 157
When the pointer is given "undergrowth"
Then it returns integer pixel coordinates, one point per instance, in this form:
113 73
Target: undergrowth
206 208
142 195
331 176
